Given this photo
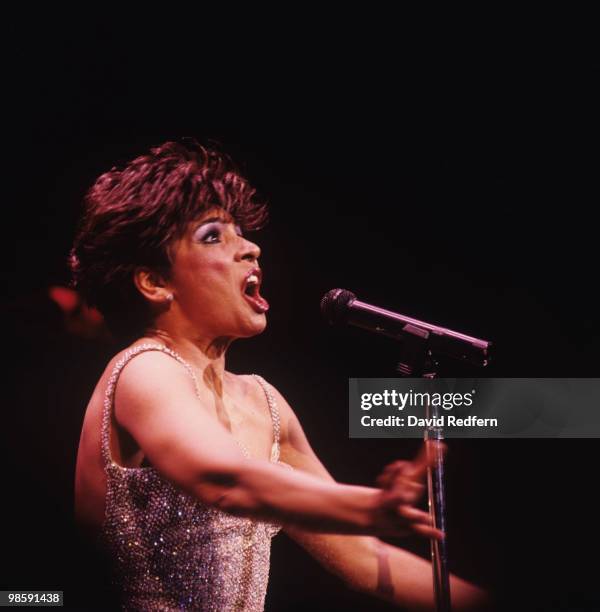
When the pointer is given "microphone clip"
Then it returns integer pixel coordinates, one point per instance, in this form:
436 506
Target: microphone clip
416 358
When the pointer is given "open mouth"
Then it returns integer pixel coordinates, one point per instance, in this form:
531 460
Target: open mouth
251 290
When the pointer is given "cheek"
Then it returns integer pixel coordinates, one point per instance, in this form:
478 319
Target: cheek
193 268
213 274
209 278
203 274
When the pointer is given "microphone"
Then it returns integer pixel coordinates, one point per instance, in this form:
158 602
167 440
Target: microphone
340 306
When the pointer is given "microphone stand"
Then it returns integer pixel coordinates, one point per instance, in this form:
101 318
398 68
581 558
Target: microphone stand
419 341
416 360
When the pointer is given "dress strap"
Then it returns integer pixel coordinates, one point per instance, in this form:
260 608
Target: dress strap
109 395
274 415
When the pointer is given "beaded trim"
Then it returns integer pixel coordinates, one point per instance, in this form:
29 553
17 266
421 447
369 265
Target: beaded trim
274 415
130 354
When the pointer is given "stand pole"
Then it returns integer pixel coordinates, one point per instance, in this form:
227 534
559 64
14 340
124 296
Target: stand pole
437 510
416 360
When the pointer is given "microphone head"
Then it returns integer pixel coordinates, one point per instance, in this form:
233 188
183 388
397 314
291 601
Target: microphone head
334 305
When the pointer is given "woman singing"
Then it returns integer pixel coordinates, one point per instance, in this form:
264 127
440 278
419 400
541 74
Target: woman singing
186 471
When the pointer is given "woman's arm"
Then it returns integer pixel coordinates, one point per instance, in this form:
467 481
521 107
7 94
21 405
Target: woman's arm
368 565
155 402
364 563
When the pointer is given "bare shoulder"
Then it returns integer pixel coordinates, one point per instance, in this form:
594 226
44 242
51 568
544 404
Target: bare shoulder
153 367
246 384
296 449
149 380
142 364
249 387
254 387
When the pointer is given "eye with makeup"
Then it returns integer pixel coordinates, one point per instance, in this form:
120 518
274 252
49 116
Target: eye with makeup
210 236
211 233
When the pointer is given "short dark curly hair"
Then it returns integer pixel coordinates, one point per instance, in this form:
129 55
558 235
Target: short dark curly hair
134 214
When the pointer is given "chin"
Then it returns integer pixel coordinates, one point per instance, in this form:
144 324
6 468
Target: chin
261 326
257 326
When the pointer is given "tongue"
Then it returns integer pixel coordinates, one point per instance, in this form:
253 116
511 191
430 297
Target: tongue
261 300
258 301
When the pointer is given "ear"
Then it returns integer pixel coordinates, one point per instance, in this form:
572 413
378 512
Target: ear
151 285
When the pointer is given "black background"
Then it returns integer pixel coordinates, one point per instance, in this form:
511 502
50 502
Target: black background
458 187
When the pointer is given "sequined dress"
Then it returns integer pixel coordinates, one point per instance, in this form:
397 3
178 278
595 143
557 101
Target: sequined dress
170 551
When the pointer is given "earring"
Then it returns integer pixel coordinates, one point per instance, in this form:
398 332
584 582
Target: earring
169 297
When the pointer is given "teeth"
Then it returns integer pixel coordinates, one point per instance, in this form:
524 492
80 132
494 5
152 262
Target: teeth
252 279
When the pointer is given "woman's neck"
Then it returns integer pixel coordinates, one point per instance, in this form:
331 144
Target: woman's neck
206 356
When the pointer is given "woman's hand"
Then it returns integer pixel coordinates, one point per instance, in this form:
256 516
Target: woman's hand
402 485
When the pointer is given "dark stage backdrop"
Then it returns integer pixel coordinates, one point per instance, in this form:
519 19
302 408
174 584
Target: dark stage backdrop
474 214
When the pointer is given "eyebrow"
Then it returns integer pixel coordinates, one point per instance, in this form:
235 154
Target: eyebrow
213 220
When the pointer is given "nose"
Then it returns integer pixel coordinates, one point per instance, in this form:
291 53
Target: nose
248 250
